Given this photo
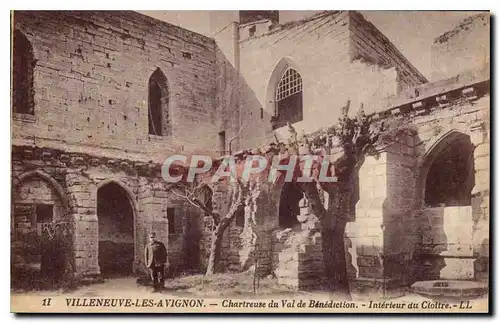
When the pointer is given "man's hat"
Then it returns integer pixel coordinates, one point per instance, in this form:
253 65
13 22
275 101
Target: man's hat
152 235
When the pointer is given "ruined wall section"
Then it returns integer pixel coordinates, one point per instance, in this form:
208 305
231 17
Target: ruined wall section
368 44
465 47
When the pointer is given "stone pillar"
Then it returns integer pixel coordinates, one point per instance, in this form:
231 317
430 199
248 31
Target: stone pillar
83 211
381 235
142 223
152 218
481 202
366 232
261 220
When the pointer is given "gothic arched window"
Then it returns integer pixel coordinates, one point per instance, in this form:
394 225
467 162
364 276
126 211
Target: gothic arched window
289 98
158 116
22 74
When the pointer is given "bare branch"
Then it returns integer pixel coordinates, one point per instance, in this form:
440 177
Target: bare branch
195 202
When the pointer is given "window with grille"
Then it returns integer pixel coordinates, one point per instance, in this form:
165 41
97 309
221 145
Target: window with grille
22 75
289 98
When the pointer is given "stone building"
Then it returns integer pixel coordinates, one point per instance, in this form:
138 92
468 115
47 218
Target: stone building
100 99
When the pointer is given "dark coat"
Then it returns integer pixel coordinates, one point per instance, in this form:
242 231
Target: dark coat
155 254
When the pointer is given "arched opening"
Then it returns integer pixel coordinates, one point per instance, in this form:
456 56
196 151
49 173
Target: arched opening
115 214
158 114
22 74
450 176
446 223
284 94
288 98
40 232
289 207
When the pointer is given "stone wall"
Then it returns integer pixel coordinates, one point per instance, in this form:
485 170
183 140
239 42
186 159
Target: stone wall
77 179
369 44
328 73
251 244
91 83
396 238
465 47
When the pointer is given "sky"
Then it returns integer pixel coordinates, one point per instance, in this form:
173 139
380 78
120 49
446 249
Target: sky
412 32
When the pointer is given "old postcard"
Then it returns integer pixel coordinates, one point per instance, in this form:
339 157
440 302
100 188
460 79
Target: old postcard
250 161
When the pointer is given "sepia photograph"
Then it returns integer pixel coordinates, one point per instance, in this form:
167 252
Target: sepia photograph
250 161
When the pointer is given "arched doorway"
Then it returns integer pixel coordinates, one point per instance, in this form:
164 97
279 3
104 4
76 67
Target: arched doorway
450 176
115 214
40 232
289 207
446 223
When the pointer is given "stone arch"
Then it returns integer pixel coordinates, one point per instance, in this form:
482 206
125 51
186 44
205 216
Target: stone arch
459 147
289 206
130 194
41 229
280 67
118 239
49 179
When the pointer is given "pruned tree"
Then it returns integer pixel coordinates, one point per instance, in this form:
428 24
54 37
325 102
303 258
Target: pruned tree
199 194
349 142
354 139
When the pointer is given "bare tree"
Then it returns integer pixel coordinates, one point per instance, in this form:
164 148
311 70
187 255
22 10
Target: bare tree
355 138
200 195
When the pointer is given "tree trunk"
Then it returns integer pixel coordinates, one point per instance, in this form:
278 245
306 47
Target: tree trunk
332 236
333 248
215 250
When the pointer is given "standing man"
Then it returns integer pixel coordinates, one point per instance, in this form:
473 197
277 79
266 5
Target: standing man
155 257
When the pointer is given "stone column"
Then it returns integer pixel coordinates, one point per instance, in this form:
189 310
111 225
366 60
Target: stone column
83 211
381 235
481 201
366 232
142 223
152 217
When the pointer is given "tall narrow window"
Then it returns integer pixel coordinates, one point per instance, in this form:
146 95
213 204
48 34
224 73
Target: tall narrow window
222 143
289 98
171 220
158 116
22 74
240 217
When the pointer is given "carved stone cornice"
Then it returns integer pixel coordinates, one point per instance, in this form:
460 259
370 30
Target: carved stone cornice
60 158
